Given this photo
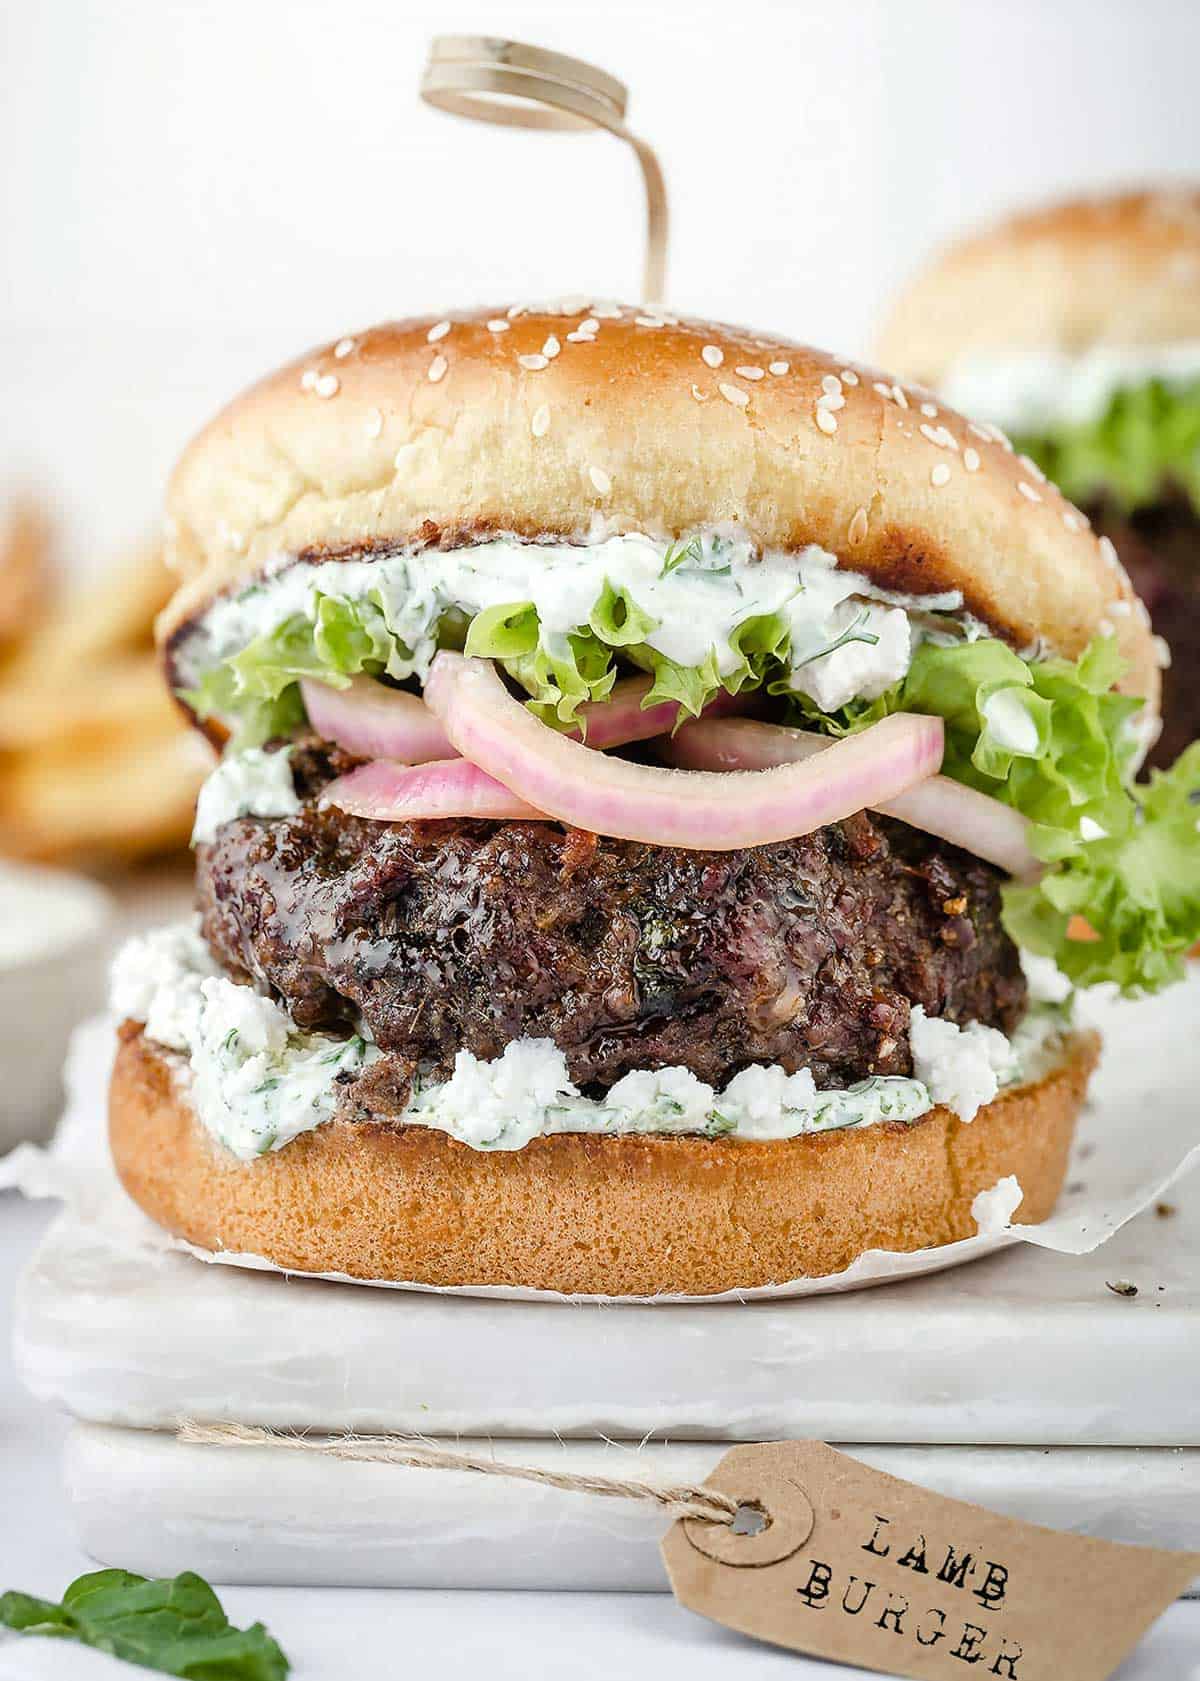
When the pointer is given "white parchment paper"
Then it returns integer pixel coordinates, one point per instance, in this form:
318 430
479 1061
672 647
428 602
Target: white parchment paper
1139 1132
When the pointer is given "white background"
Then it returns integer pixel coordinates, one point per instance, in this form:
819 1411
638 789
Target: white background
193 190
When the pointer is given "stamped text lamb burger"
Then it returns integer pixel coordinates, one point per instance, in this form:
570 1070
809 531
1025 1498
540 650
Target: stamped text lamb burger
646 745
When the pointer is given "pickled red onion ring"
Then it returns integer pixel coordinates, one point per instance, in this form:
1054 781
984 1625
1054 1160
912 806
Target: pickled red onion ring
621 718
392 793
701 810
940 806
375 722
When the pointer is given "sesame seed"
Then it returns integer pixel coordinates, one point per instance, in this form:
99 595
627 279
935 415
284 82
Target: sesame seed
1162 653
849 377
778 368
374 424
1028 492
437 369
497 325
980 432
308 379
581 338
938 435
342 348
1142 611
858 527
607 311
885 391
831 385
1109 553
574 304
831 400
826 420
748 371
551 347
971 459
588 325
514 310
734 394
1072 520
1121 609
437 331
600 480
929 410
534 362
1032 468
540 424
698 394
940 474
327 385
899 394
648 321
713 355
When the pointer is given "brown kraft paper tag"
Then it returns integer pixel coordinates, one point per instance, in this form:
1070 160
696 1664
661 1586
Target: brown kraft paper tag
851 1564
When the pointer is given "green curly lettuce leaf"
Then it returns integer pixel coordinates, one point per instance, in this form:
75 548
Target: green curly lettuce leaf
1052 739
1146 441
1138 890
561 672
176 1626
257 688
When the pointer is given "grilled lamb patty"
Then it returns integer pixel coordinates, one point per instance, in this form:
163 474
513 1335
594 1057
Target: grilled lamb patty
460 934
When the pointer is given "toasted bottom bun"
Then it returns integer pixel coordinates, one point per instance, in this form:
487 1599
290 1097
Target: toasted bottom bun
616 1216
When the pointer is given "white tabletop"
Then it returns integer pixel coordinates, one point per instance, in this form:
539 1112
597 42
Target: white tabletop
331 1632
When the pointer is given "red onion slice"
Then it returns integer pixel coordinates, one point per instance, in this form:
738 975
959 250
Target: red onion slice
621 718
375 722
702 810
391 793
939 805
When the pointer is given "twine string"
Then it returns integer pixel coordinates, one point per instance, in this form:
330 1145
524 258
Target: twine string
682 1500
519 86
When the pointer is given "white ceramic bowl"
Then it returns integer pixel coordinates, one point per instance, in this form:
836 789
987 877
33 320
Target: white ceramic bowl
56 934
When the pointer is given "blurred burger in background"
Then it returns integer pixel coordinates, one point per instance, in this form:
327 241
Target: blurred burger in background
1076 329
96 766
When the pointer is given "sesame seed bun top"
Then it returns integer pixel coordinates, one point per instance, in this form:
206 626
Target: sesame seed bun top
537 420
1121 270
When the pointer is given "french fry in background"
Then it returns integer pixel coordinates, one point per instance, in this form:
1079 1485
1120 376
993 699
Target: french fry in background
96 765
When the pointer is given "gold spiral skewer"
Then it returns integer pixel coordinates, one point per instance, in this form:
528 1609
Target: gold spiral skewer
518 86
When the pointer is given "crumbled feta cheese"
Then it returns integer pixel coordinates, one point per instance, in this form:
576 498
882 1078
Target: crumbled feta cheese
961 1066
253 783
993 1210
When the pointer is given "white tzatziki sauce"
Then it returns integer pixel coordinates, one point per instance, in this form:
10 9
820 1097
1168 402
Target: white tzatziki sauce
848 639
256 1081
1041 390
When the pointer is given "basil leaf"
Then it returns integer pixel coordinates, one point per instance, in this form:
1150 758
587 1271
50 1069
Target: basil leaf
175 1626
